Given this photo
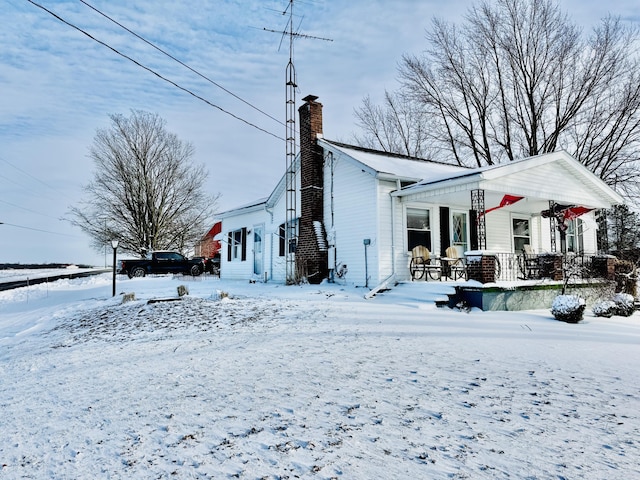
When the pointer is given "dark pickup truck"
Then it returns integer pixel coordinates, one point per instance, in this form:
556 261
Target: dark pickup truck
162 262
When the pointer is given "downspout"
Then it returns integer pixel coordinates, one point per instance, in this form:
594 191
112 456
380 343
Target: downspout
393 222
270 212
331 235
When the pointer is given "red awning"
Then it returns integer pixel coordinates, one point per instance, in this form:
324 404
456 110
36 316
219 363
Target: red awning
572 213
506 200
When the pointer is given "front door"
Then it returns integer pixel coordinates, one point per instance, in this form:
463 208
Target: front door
459 228
257 250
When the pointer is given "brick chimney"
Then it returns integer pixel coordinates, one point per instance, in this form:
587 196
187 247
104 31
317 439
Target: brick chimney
311 252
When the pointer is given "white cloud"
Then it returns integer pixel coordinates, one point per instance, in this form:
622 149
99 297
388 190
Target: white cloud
59 86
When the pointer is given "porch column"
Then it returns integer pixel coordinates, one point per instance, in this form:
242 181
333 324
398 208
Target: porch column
477 205
552 225
605 266
482 267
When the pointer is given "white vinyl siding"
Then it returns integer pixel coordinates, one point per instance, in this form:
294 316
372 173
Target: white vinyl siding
355 203
236 268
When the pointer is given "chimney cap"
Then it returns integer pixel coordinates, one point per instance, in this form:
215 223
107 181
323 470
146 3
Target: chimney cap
310 98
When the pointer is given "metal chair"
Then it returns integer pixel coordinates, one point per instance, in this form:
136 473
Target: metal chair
454 266
529 264
422 264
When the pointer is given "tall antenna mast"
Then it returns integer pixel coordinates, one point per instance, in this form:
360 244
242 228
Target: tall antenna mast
291 227
291 230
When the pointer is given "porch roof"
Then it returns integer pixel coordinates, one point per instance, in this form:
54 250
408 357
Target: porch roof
554 176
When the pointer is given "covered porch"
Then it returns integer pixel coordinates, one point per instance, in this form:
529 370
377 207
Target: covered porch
531 219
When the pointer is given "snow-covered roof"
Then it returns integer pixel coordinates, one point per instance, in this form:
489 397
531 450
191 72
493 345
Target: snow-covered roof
255 205
391 164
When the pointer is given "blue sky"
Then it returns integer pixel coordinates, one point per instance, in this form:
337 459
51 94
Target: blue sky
59 86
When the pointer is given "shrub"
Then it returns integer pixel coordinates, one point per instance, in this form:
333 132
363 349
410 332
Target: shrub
626 277
604 308
568 308
624 304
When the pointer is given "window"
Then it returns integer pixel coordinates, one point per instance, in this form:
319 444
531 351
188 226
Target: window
169 257
521 233
575 239
257 240
237 245
459 229
282 239
418 228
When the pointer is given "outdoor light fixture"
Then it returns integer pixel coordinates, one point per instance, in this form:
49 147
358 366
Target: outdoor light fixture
114 245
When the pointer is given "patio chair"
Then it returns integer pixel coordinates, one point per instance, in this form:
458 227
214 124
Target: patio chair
529 264
422 264
454 266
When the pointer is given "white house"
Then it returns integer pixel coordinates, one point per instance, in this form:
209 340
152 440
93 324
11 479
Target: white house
360 212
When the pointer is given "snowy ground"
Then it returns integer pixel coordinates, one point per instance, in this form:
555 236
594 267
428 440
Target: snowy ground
307 382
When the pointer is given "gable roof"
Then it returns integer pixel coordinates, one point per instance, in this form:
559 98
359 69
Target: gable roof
249 207
384 165
557 176
553 176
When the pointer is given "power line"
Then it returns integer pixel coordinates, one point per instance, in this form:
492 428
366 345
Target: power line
52 189
180 87
24 208
24 173
38 230
180 62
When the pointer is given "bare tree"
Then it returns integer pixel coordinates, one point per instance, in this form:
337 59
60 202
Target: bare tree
399 127
146 192
516 79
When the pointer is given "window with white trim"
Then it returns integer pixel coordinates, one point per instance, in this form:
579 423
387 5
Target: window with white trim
418 228
459 230
521 233
574 236
237 245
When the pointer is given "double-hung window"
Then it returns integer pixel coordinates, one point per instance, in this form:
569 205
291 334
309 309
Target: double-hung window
237 245
282 234
521 233
418 228
575 240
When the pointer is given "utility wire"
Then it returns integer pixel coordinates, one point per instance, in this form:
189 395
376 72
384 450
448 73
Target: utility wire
24 208
24 173
27 174
180 87
38 230
180 62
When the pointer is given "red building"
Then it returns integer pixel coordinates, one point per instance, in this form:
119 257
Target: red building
208 247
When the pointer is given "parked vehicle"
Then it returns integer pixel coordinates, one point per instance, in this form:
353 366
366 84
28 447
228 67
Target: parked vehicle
211 265
162 262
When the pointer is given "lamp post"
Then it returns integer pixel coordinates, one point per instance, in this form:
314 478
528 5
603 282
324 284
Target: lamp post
114 245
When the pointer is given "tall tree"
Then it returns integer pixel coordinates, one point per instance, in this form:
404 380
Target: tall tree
518 78
400 126
624 230
146 191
